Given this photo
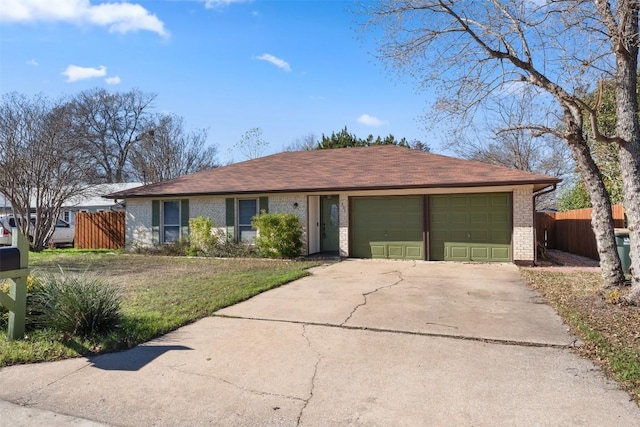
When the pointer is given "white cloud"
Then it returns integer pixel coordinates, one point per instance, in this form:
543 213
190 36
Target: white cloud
33 62
280 63
210 4
368 120
75 73
120 17
113 80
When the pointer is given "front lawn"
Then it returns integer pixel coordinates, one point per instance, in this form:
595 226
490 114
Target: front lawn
610 331
159 294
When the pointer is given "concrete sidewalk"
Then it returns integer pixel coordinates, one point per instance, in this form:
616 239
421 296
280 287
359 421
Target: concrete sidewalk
356 343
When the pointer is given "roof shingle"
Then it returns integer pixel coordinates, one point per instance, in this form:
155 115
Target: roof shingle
364 168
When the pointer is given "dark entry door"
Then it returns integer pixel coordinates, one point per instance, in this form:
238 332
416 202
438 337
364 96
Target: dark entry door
330 220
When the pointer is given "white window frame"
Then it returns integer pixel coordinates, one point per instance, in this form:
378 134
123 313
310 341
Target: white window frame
163 225
251 232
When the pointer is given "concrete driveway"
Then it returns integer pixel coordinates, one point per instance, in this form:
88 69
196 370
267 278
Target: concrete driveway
370 343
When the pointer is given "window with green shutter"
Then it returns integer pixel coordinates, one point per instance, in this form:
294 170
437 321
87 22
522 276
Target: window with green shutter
239 226
169 220
247 209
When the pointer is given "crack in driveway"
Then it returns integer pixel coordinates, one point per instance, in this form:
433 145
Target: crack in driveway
313 378
366 294
415 333
238 386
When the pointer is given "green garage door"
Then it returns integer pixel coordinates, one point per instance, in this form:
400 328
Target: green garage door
470 227
387 227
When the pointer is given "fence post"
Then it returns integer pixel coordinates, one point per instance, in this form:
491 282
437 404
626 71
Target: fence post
17 275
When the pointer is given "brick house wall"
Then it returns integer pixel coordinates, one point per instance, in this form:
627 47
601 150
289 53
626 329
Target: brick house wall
138 218
523 227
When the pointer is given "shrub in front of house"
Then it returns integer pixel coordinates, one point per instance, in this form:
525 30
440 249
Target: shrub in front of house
279 235
76 304
203 238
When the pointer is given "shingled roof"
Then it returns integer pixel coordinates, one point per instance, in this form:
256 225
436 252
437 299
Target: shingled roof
345 169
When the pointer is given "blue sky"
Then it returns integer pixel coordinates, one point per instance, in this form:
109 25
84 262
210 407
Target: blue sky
288 67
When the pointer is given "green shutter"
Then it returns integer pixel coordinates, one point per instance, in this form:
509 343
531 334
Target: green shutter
184 218
230 218
155 222
264 205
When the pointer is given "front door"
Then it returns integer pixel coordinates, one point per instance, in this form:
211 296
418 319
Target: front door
329 230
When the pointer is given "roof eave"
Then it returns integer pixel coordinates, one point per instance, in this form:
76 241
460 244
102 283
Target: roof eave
538 184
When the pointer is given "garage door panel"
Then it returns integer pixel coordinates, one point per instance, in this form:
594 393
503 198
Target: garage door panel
378 250
479 218
480 253
457 236
439 217
500 254
458 201
457 218
480 236
396 251
500 237
457 253
415 252
500 218
387 227
439 201
468 227
478 201
500 200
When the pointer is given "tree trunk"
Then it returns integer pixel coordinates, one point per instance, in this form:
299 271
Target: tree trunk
630 166
628 132
601 216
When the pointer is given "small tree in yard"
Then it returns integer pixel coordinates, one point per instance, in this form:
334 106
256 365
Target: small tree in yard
279 235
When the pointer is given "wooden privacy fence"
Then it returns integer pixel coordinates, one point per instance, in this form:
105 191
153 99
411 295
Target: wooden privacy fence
571 231
99 230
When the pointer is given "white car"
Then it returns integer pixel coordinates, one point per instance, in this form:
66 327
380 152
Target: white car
64 234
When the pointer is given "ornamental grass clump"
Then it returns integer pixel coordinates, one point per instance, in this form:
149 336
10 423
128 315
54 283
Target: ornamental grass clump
76 304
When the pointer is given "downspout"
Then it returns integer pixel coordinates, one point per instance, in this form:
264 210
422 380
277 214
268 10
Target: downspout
535 235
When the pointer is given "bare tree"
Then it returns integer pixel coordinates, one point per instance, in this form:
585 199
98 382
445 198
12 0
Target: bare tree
38 167
166 150
307 142
108 124
470 51
500 139
251 144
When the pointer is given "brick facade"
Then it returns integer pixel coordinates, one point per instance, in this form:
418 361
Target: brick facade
138 223
523 231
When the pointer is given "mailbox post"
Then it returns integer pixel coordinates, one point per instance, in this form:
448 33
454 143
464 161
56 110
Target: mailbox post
14 267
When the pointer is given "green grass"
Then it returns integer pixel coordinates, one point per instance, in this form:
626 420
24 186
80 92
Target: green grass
609 330
159 294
